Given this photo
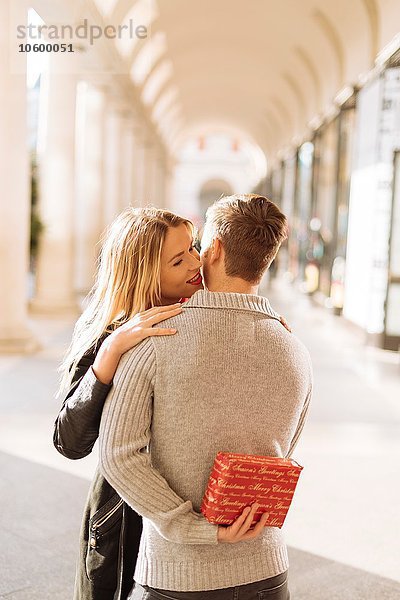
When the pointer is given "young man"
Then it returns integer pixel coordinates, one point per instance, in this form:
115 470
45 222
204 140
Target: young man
232 379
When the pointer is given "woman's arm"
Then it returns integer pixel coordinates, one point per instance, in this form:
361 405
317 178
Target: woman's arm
76 428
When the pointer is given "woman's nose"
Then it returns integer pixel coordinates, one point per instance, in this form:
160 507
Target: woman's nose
197 260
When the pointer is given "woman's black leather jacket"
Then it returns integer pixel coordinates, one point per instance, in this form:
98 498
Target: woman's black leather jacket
111 530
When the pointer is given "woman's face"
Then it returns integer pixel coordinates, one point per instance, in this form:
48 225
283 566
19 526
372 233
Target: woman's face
180 265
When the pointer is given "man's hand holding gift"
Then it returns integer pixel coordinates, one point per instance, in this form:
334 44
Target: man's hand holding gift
241 529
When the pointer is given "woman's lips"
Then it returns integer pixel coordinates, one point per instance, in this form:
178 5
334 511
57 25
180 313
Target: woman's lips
196 280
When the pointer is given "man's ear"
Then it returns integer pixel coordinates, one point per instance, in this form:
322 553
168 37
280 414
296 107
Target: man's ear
216 248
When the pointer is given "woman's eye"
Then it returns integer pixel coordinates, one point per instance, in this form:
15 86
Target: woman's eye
193 247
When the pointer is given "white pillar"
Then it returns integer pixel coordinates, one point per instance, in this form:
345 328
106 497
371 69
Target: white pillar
155 191
148 171
112 164
129 173
56 166
89 217
15 335
169 183
160 178
139 163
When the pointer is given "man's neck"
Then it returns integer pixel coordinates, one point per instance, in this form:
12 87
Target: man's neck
234 285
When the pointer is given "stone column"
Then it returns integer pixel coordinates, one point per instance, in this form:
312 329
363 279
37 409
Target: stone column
149 171
169 183
160 178
89 218
139 163
15 335
153 174
56 167
129 155
112 163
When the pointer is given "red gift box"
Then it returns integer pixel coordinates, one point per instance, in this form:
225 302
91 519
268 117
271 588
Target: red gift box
238 480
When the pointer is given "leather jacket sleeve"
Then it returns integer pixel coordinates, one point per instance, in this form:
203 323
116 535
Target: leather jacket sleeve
76 428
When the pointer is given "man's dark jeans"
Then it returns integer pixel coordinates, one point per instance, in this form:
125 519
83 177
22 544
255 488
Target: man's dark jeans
274 588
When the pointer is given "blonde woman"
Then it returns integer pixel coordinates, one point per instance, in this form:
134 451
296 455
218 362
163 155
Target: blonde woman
148 264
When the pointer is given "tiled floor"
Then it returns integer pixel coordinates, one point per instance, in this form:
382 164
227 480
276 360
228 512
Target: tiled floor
343 530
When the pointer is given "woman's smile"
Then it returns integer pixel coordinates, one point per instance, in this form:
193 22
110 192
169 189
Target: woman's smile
196 280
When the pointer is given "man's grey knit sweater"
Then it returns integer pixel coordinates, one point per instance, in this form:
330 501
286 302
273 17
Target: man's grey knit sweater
231 379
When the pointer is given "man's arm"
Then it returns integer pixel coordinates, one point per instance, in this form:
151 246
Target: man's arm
305 409
124 432
300 424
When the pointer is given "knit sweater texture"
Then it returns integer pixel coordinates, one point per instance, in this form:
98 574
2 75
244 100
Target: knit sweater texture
231 379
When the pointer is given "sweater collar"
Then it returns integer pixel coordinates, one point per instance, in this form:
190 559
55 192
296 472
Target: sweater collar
232 300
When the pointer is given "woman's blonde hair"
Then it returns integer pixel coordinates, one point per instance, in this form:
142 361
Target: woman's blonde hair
127 279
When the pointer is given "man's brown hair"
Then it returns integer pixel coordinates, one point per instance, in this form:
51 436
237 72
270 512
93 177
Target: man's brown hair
251 229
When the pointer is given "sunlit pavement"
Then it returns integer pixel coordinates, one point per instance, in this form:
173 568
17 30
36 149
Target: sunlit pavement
346 506
343 529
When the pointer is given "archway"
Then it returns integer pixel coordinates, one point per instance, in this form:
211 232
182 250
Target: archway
210 191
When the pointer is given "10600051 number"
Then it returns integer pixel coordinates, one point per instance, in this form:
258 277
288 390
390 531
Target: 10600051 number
46 48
